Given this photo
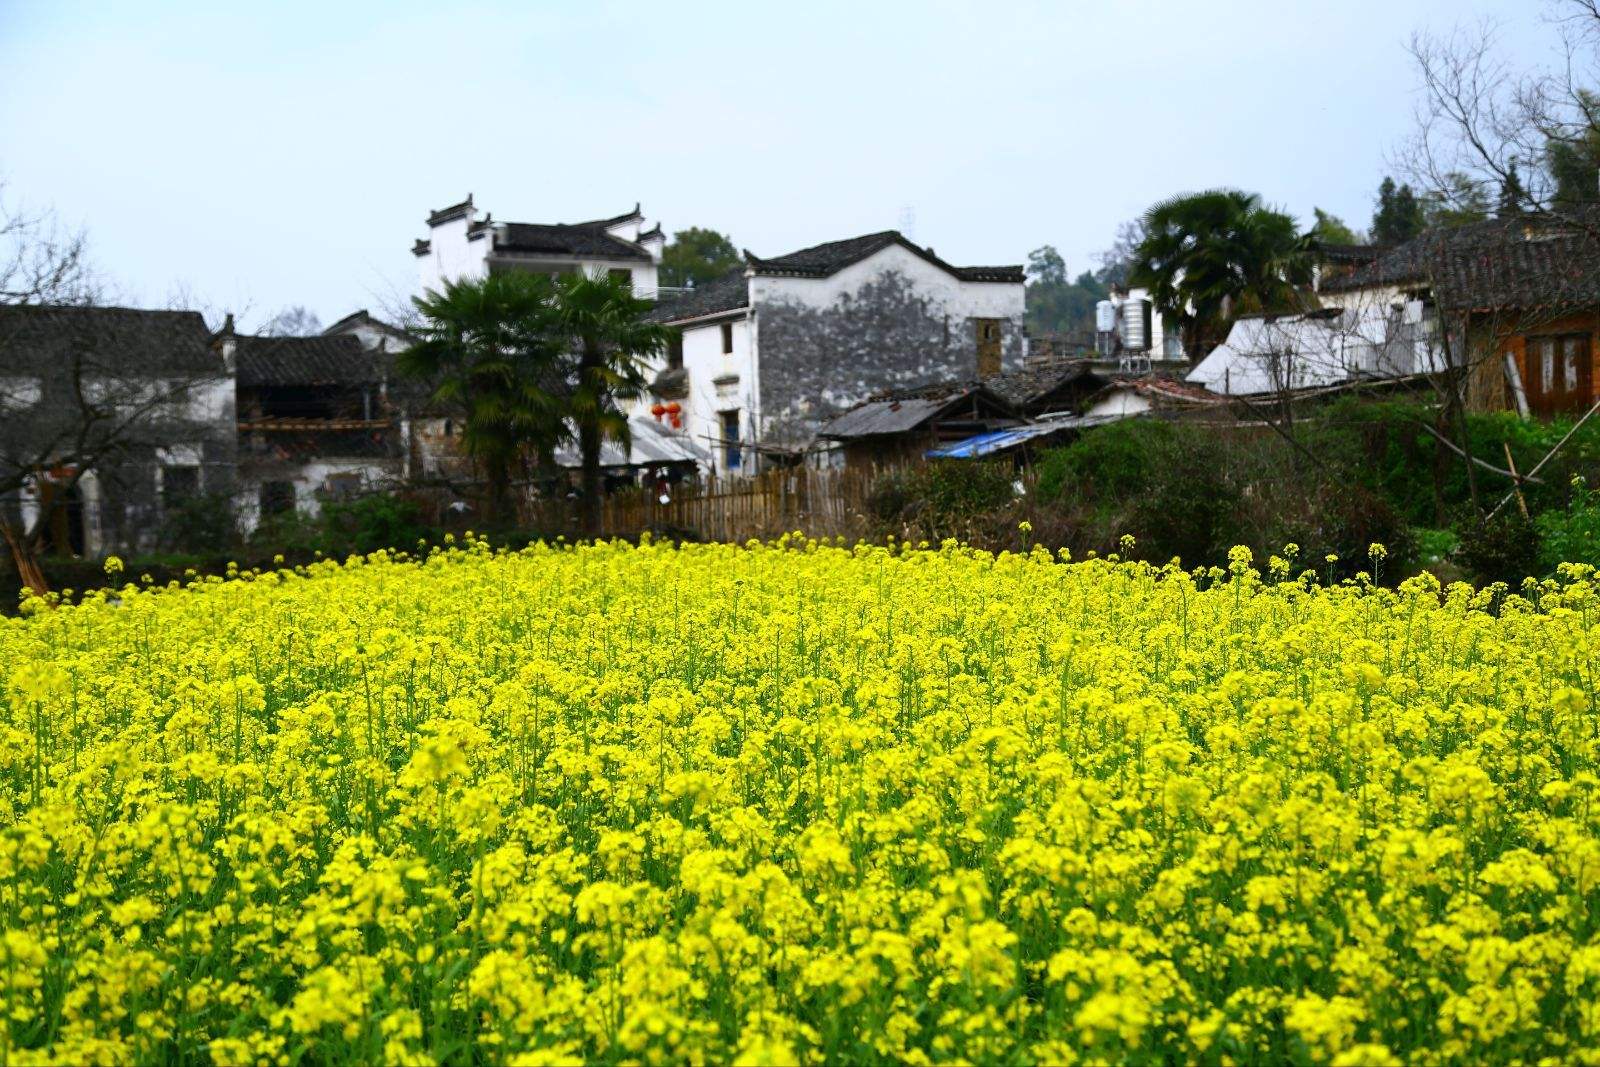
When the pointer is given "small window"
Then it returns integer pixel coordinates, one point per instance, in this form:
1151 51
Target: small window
277 498
732 455
675 349
727 338
179 483
621 274
345 486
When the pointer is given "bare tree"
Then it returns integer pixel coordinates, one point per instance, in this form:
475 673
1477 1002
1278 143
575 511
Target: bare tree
1488 133
42 261
295 321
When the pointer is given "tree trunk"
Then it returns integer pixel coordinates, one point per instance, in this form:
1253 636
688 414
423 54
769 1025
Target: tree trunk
589 448
26 559
495 471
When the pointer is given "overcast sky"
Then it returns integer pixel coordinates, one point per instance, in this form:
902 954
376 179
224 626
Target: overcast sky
264 155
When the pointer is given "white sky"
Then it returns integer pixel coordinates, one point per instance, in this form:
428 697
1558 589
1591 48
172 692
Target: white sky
269 154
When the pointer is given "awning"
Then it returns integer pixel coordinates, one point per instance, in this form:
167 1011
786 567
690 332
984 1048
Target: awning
653 444
987 444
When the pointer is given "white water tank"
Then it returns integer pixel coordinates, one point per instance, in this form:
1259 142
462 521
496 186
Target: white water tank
1105 317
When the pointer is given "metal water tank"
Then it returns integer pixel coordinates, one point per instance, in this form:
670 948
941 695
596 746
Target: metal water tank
1136 325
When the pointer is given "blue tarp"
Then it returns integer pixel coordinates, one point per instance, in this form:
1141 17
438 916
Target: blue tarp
987 444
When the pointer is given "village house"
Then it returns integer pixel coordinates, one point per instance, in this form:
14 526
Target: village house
460 244
109 418
1514 303
764 357
318 419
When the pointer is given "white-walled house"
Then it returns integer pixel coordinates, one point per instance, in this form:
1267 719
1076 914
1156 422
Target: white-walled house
1374 334
460 244
765 355
112 417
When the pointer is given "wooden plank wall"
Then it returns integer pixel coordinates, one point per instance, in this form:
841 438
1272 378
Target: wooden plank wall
823 503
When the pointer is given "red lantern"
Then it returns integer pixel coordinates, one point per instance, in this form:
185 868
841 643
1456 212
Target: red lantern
673 409
677 423
658 410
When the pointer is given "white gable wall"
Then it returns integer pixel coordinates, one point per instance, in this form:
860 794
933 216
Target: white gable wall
889 321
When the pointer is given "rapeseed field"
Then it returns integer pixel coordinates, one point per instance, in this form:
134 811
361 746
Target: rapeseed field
800 802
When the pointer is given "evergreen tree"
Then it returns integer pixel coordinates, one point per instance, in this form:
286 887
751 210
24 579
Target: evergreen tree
1399 216
1513 197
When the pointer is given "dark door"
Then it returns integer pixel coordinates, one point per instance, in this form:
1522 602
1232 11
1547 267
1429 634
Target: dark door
988 347
1560 374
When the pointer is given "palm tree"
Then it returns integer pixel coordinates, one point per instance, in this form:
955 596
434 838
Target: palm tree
606 335
491 346
1207 257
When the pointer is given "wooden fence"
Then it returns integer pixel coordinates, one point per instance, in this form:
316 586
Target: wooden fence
824 503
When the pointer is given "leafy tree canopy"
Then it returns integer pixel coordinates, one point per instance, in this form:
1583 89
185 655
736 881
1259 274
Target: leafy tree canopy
696 256
1330 229
1208 257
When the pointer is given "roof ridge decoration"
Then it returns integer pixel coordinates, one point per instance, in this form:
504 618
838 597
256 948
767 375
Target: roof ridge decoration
463 209
830 257
636 215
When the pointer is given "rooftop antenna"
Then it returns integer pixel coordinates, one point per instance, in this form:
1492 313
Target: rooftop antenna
908 222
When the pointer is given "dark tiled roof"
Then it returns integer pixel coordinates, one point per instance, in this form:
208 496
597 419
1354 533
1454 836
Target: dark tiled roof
579 239
819 261
116 340
1501 265
338 360
1038 380
727 293
1348 254
906 409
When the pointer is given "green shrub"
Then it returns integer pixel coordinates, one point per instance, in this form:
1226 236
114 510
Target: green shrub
201 524
1108 462
1502 549
942 498
1571 534
370 523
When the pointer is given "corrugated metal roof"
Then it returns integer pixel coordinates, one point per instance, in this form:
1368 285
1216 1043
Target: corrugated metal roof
653 443
884 417
987 444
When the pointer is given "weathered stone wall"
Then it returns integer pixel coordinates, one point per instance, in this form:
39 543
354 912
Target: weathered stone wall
884 329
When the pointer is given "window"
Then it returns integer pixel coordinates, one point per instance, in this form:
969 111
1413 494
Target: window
1559 374
277 498
675 349
179 483
727 338
345 486
621 274
988 331
732 456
